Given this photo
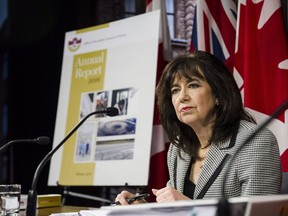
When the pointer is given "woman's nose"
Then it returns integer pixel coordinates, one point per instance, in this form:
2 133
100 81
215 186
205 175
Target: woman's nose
184 96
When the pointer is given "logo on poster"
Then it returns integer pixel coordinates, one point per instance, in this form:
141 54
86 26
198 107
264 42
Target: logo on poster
74 44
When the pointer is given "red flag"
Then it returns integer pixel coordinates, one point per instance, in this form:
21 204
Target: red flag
261 59
257 52
214 29
158 175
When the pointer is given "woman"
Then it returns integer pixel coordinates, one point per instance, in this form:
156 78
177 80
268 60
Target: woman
202 112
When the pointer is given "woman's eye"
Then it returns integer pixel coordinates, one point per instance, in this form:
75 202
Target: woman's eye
174 91
193 85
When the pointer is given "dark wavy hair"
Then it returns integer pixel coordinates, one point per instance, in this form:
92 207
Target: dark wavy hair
229 112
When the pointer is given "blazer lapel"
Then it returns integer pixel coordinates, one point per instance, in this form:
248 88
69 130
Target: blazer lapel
181 170
213 162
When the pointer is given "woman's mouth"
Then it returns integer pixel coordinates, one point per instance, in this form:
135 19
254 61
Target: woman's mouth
186 109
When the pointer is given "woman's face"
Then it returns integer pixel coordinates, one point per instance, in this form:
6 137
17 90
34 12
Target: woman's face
193 101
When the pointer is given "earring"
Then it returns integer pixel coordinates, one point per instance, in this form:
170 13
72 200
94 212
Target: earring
217 102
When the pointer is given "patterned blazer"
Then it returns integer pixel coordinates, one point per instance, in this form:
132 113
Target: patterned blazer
255 170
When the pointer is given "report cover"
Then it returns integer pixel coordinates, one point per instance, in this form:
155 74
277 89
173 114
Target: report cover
111 65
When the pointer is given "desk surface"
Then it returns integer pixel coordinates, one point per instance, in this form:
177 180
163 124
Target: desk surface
59 209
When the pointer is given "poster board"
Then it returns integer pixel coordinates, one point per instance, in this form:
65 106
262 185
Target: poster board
111 65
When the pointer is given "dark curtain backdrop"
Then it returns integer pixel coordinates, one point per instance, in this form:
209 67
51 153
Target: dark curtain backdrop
36 40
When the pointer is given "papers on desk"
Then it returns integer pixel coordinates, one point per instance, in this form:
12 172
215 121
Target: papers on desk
196 211
274 205
65 214
183 211
183 208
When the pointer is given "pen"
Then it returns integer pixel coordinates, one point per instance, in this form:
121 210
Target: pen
132 199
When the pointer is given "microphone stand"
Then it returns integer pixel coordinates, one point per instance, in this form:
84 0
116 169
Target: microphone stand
40 140
223 204
32 195
67 192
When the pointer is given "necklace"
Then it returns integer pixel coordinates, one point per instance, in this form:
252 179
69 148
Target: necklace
202 154
205 146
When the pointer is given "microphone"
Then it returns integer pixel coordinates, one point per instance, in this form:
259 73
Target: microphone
42 140
223 205
32 195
